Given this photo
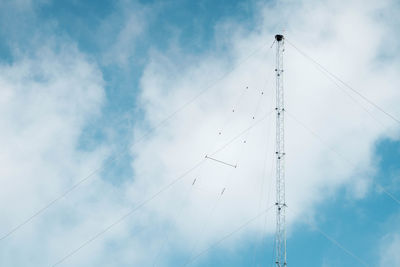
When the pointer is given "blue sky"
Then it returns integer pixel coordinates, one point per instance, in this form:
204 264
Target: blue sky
82 81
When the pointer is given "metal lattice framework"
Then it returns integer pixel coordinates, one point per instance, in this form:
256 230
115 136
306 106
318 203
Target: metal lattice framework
280 235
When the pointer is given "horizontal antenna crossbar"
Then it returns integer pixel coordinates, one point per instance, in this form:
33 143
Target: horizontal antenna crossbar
220 161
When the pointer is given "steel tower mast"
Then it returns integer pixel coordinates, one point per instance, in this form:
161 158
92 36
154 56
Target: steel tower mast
280 235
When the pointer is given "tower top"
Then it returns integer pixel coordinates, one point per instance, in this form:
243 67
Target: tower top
279 37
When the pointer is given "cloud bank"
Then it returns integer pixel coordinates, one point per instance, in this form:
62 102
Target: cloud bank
348 39
50 96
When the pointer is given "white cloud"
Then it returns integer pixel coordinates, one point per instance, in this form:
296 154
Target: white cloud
348 39
131 21
389 250
48 98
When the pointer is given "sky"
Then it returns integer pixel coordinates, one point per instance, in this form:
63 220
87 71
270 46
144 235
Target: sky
108 110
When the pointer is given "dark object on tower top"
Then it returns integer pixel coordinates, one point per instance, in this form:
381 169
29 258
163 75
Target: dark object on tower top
279 37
